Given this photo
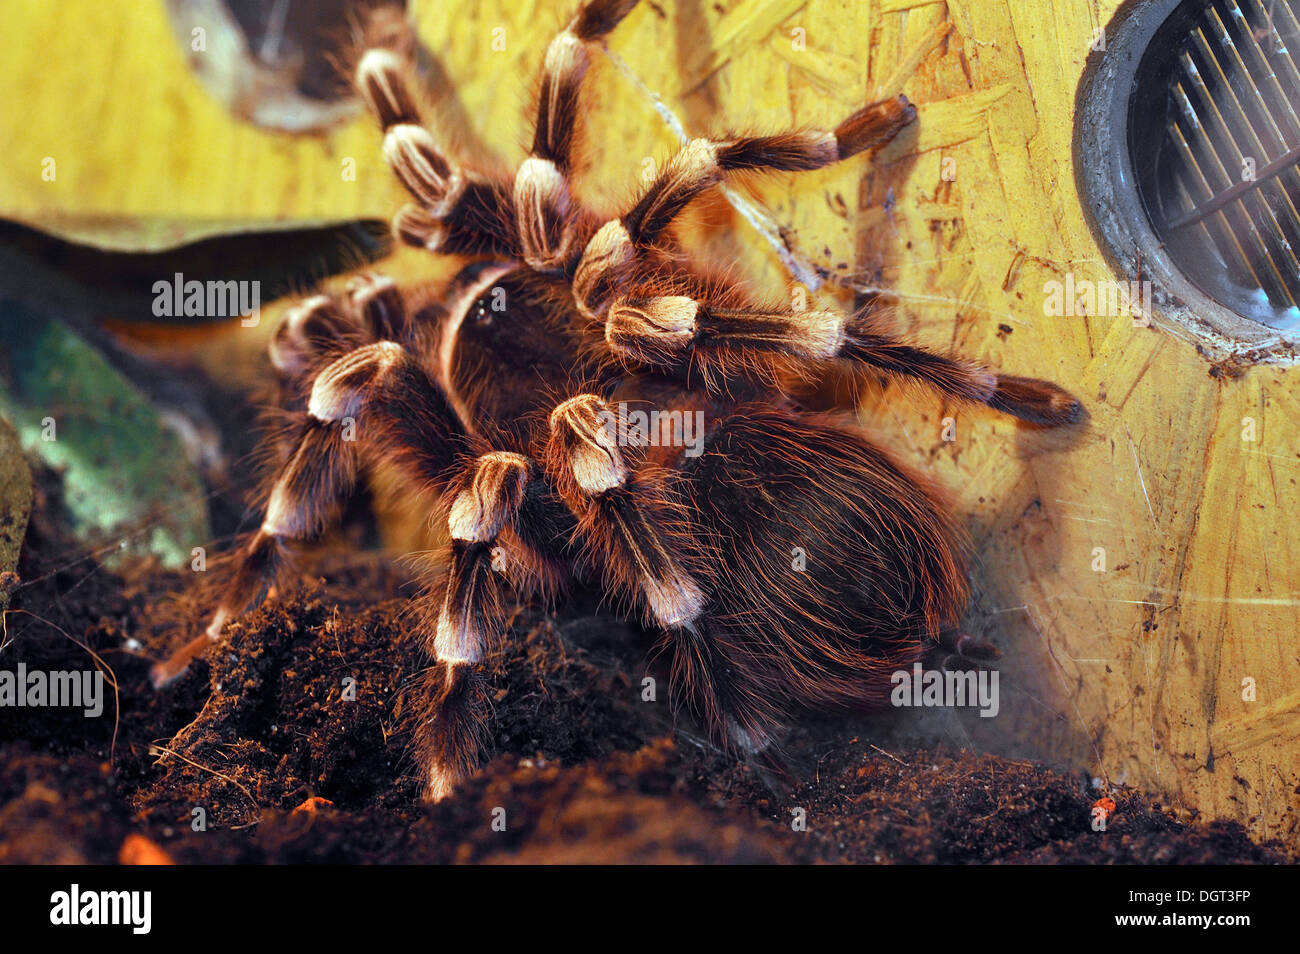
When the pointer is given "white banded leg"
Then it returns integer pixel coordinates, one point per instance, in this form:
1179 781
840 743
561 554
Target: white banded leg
454 212
643 536
637 528
543 206
616 248
356 401
470 619
717 339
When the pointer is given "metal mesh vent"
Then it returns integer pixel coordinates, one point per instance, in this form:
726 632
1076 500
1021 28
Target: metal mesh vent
1214 135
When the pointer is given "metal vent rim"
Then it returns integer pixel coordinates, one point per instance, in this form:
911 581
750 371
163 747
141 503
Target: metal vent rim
1115 212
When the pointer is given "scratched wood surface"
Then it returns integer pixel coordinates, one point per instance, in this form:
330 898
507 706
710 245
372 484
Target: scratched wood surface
1133 672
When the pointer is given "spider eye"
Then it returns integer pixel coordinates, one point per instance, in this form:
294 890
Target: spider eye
481 314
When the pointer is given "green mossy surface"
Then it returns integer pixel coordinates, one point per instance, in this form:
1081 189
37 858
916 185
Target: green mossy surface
126 477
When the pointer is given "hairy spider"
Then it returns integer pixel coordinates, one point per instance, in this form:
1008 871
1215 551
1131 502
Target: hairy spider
507 395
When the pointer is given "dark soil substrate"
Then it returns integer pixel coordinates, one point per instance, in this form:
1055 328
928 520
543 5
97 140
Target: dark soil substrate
584 770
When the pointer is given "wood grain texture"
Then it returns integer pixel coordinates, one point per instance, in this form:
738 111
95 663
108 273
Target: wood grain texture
1133 673
143 157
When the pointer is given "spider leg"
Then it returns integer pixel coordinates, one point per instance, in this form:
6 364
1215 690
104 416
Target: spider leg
374 397
717 334
640 529
547 220
321 328
620 245
954 650
504 525
455 211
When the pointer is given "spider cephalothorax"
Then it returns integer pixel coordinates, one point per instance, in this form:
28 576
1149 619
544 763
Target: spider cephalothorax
519 397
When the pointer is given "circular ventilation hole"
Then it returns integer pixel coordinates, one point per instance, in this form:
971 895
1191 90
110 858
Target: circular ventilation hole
1215 140
1188 157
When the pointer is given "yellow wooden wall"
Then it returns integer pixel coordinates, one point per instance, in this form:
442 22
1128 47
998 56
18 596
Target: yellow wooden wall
1133 673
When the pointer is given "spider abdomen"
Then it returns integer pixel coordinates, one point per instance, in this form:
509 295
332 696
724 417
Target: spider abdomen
833 565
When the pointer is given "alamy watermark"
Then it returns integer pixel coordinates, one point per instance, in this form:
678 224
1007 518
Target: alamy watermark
179 298
36 688
937 688
75 906
1075 298
631 427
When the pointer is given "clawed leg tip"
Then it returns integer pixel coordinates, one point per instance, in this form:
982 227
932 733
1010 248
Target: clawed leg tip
162 674
1061 411
175 665
900 108
1041 403
439 786
965 651
432 794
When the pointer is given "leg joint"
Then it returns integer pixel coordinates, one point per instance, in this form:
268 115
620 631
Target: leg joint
490 499
340 391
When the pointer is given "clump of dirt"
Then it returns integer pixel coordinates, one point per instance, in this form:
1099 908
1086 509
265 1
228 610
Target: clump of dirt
287 744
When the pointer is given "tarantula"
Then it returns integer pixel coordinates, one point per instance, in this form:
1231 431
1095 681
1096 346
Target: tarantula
506 395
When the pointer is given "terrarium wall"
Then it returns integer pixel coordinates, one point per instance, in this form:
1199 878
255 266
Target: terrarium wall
1139 571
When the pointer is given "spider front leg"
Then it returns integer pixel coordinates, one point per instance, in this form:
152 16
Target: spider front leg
321 328
621 246
546 214
505 528
455 211
719 334
375 398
